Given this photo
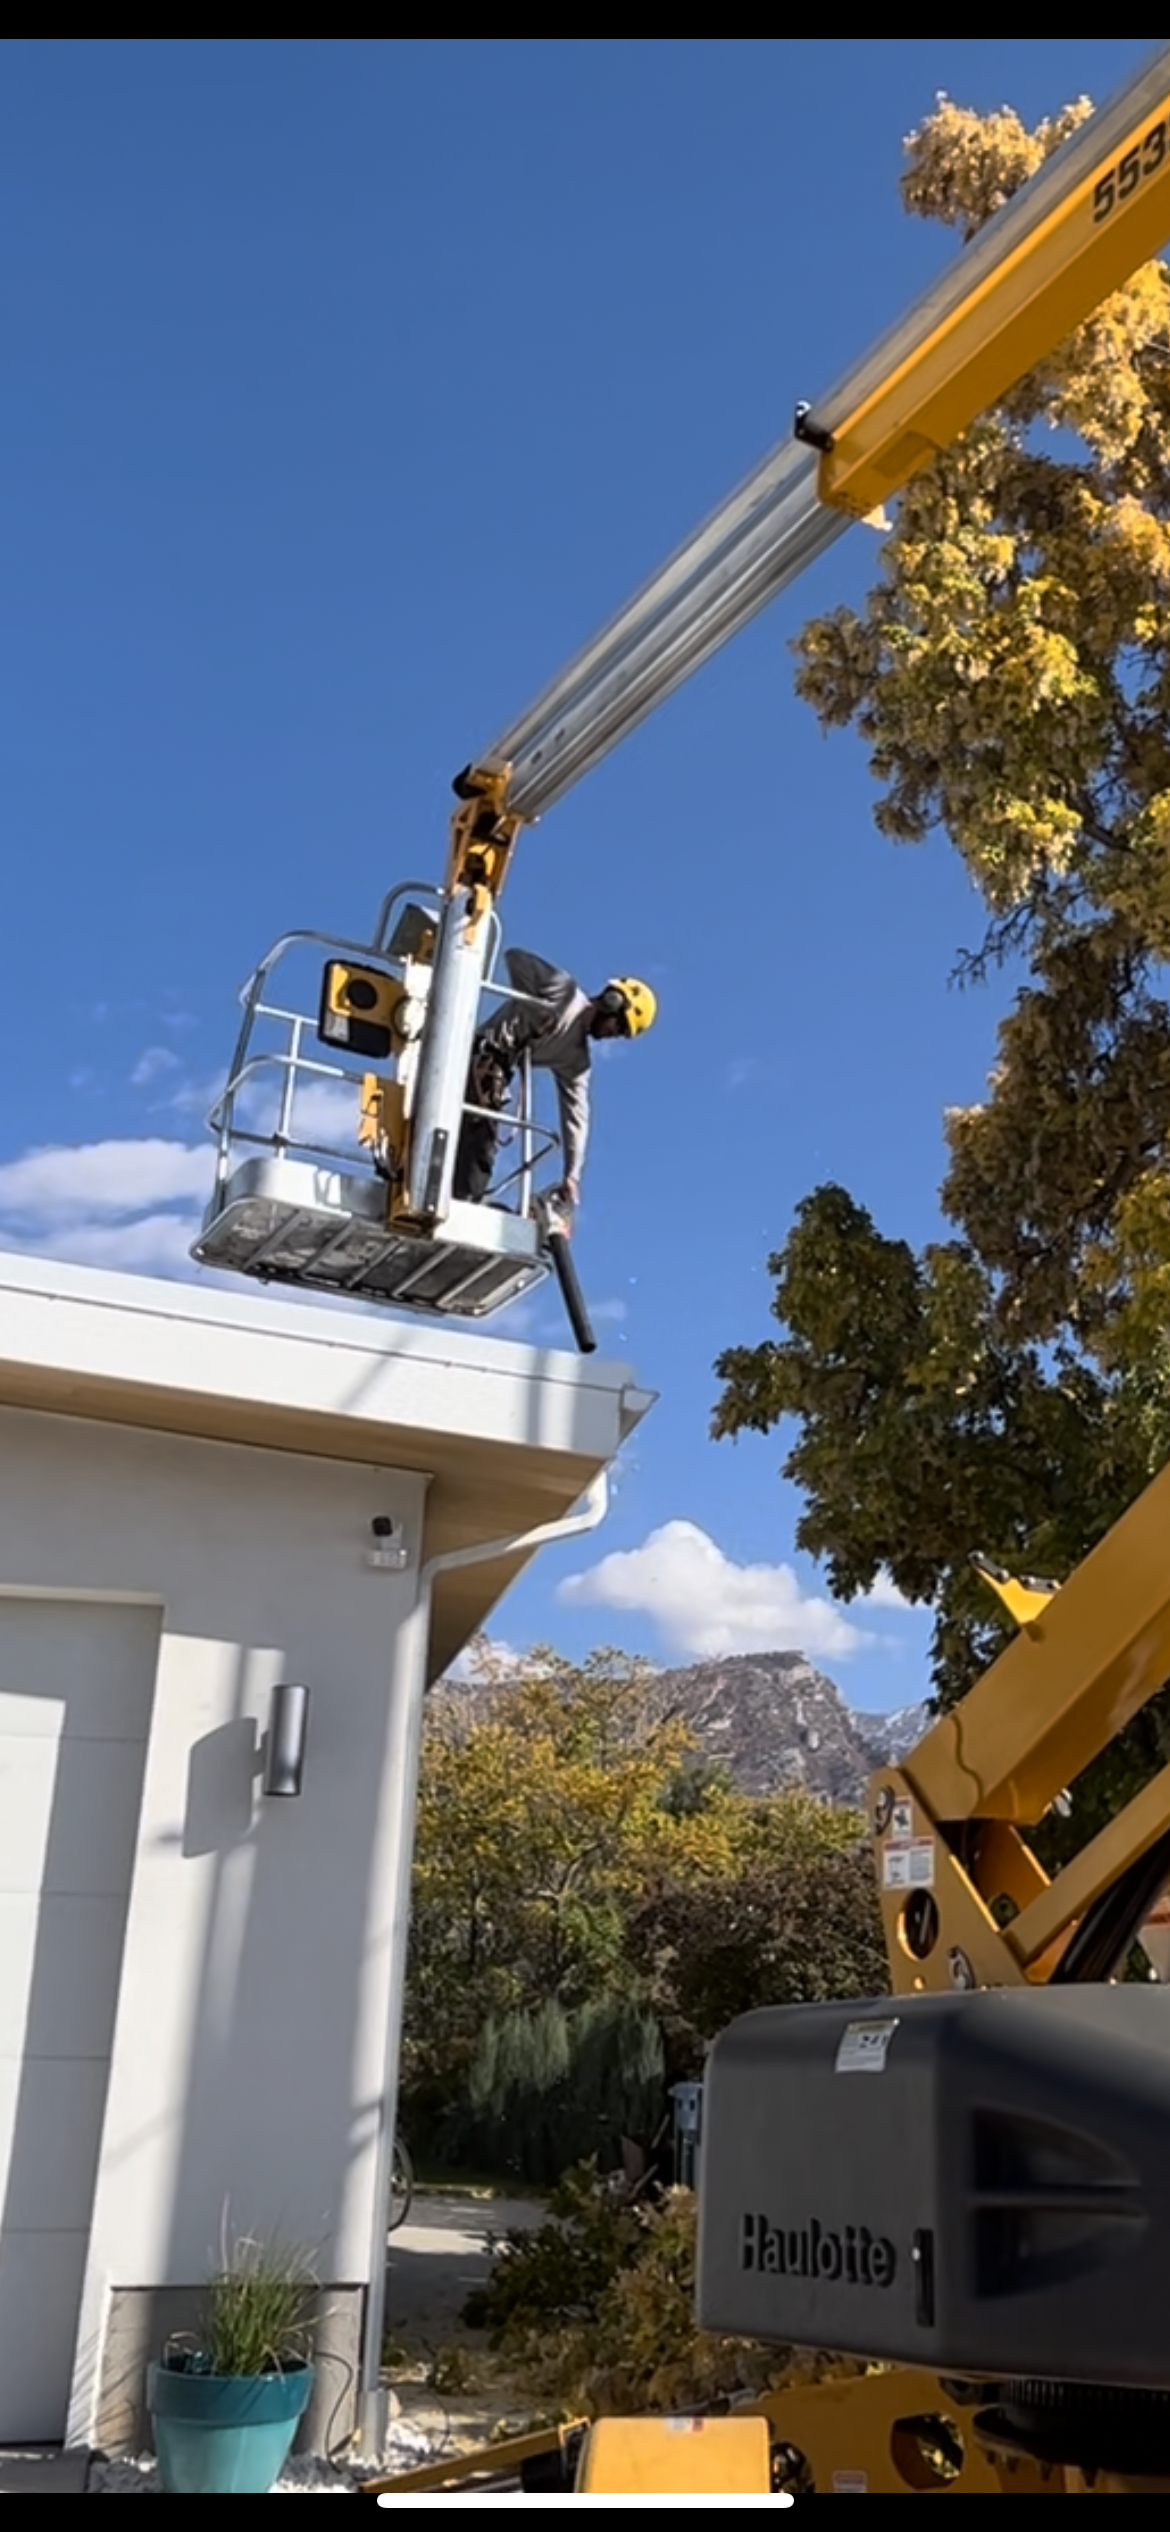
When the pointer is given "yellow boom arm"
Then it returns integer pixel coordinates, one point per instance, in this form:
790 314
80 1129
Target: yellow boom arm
1105 218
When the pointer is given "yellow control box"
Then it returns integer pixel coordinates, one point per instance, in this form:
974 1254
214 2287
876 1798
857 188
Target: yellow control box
717 2457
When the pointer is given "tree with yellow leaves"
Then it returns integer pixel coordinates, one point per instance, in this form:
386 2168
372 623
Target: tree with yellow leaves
545 1798
565 1832
1008 1389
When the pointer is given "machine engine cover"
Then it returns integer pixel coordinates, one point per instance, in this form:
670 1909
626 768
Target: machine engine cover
976 2183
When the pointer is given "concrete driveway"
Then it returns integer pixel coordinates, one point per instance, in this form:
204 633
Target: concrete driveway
436 2259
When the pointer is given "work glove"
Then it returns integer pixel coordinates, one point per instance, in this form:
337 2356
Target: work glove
563 1200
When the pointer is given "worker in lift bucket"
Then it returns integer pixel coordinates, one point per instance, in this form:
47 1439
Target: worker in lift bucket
555 1025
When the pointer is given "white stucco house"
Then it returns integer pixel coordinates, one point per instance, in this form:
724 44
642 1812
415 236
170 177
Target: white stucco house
200 1980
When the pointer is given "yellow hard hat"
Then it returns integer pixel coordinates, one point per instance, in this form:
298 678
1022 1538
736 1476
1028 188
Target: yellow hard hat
639 1005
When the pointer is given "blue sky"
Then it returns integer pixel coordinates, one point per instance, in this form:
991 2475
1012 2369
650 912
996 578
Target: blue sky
350 385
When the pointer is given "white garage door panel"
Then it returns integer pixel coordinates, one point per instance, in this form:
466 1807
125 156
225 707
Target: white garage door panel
28 1775
28 1718
76 1687
39 2302
69 1810
40 2290
18 1941
50 2131
75 1945
97 1661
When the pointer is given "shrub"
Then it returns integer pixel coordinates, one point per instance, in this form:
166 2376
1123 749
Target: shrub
596 2308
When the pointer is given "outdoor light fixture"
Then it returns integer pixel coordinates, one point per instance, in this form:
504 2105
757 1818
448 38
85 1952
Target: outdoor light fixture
285 1740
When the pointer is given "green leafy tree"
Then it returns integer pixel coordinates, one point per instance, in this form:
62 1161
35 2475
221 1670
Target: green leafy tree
548 2090
1007 1389
779 1931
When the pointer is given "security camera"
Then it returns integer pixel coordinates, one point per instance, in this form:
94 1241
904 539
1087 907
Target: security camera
388 1553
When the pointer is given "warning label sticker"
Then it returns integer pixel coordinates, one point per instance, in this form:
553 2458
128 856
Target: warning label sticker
863 2047
902 1820
850 2483
908 1863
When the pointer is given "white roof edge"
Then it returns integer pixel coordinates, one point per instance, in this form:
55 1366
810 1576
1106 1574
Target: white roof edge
362 1371
306 1322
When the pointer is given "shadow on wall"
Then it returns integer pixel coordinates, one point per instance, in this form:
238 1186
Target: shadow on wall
275 1953
221 1787
284 1959
76 1692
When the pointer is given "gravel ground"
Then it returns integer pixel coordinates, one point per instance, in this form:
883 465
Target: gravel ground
308 2478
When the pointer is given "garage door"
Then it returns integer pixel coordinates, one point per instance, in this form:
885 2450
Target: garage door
76 1683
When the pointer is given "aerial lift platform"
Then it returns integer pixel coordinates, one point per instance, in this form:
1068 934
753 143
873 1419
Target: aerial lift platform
373 1214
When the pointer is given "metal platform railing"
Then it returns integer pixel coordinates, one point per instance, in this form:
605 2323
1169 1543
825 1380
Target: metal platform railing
297 1199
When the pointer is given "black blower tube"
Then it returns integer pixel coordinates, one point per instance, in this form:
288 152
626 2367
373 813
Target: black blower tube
571 1293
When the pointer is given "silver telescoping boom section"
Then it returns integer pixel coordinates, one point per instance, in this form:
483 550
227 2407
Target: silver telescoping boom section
776 523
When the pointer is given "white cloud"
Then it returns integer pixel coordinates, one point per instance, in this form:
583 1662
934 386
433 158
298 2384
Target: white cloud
130 1205
323 1111
153 1061
494 1657
327 1112
328 1109
61 1183
521 1319
197 1098
608 1313
703 1604
158 1244
885 1595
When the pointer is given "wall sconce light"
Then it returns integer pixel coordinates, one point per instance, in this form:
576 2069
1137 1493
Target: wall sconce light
286 1739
